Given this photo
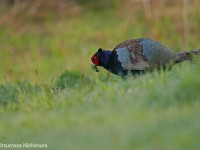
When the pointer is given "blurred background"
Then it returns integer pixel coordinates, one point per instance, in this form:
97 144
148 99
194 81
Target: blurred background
49 93
45 37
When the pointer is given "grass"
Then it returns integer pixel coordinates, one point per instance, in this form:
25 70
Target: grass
49 94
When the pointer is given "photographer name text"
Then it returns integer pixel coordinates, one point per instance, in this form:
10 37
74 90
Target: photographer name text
23 145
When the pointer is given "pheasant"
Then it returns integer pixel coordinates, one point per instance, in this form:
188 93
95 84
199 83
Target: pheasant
138 56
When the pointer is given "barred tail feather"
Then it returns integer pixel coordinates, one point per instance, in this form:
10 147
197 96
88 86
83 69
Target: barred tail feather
193 53
188 55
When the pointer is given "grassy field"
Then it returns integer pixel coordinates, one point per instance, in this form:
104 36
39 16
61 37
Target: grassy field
49 93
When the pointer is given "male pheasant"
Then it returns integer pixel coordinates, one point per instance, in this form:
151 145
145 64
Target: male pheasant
139 55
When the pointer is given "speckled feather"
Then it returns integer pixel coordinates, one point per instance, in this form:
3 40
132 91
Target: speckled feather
139 55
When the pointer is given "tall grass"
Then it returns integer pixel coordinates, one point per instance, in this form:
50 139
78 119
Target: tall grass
49 94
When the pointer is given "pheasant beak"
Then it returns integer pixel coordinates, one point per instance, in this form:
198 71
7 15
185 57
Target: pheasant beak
94 67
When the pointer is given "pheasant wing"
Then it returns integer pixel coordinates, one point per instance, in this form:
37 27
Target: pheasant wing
130 55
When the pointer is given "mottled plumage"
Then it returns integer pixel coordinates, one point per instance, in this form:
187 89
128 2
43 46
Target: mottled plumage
138 55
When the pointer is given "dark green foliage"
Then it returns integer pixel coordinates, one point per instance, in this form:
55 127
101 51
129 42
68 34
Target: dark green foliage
71 79
8 94
27 88
101 4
